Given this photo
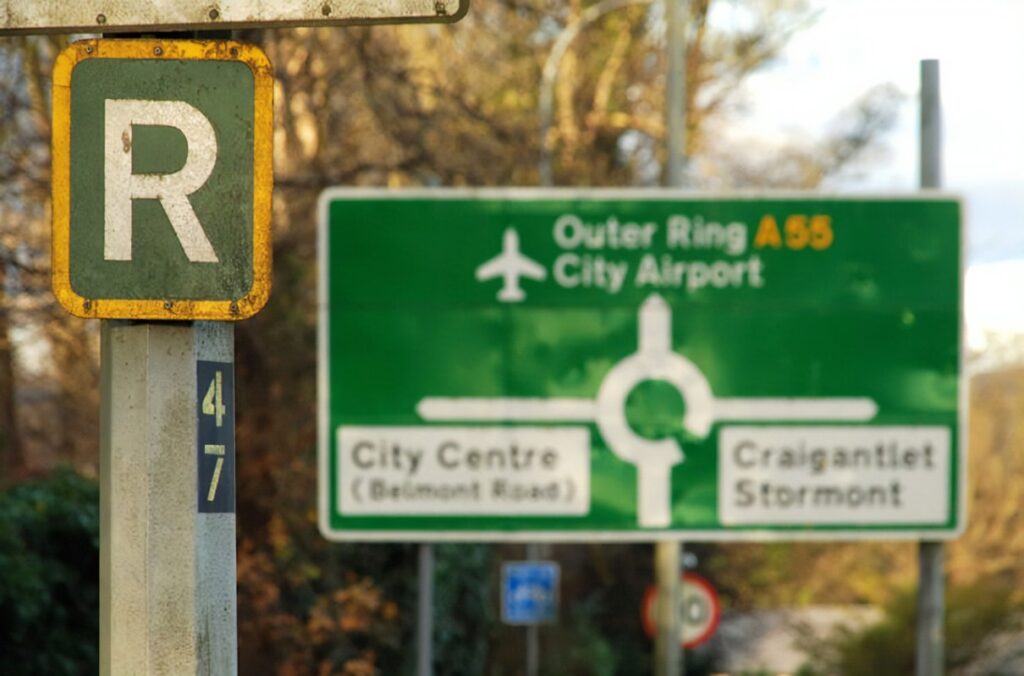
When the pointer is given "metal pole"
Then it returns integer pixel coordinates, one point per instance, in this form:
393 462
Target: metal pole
533 553
930 591
930 609
532 650
668 650
931 126
676 15
425 621
167 536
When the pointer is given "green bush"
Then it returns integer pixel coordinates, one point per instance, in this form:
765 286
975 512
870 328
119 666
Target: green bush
972 613
465 616
49 576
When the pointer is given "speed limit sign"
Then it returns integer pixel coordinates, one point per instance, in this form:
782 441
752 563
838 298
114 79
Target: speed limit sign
700 611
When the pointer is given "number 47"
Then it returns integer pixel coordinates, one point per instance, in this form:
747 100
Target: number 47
213 404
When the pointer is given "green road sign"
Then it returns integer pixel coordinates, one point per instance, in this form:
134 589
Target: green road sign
627 365
162 179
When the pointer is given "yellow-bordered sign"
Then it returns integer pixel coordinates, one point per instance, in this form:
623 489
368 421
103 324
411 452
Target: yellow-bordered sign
162 179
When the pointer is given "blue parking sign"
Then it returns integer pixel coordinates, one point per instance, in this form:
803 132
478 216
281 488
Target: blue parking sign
529 592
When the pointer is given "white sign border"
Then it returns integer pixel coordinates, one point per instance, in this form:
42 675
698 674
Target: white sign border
739 534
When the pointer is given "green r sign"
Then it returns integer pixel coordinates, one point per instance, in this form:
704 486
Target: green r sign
162 179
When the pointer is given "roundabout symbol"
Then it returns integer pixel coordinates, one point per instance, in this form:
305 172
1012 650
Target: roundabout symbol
654 459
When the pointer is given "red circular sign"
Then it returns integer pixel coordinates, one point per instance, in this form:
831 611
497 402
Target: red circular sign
700 612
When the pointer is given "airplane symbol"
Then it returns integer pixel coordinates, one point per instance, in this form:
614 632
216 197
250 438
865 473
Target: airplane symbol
510 265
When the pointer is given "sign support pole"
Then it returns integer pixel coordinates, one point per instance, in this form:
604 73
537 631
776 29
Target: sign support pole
668 650
167 564
931 576
533 553
425 610
676 14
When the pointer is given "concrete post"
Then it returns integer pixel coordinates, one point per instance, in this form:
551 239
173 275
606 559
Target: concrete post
167 537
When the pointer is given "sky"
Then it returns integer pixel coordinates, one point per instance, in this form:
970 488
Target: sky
856 44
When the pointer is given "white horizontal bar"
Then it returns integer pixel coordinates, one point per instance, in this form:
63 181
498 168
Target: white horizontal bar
835 408
506 409
537 409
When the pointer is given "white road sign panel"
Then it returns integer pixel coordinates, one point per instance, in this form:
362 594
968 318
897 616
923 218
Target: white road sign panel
463 470
113 16
833 474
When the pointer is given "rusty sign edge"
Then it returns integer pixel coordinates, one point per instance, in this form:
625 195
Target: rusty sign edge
160 308
120 16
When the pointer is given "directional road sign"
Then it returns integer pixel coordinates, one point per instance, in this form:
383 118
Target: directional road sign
119 16
639 365
162 179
